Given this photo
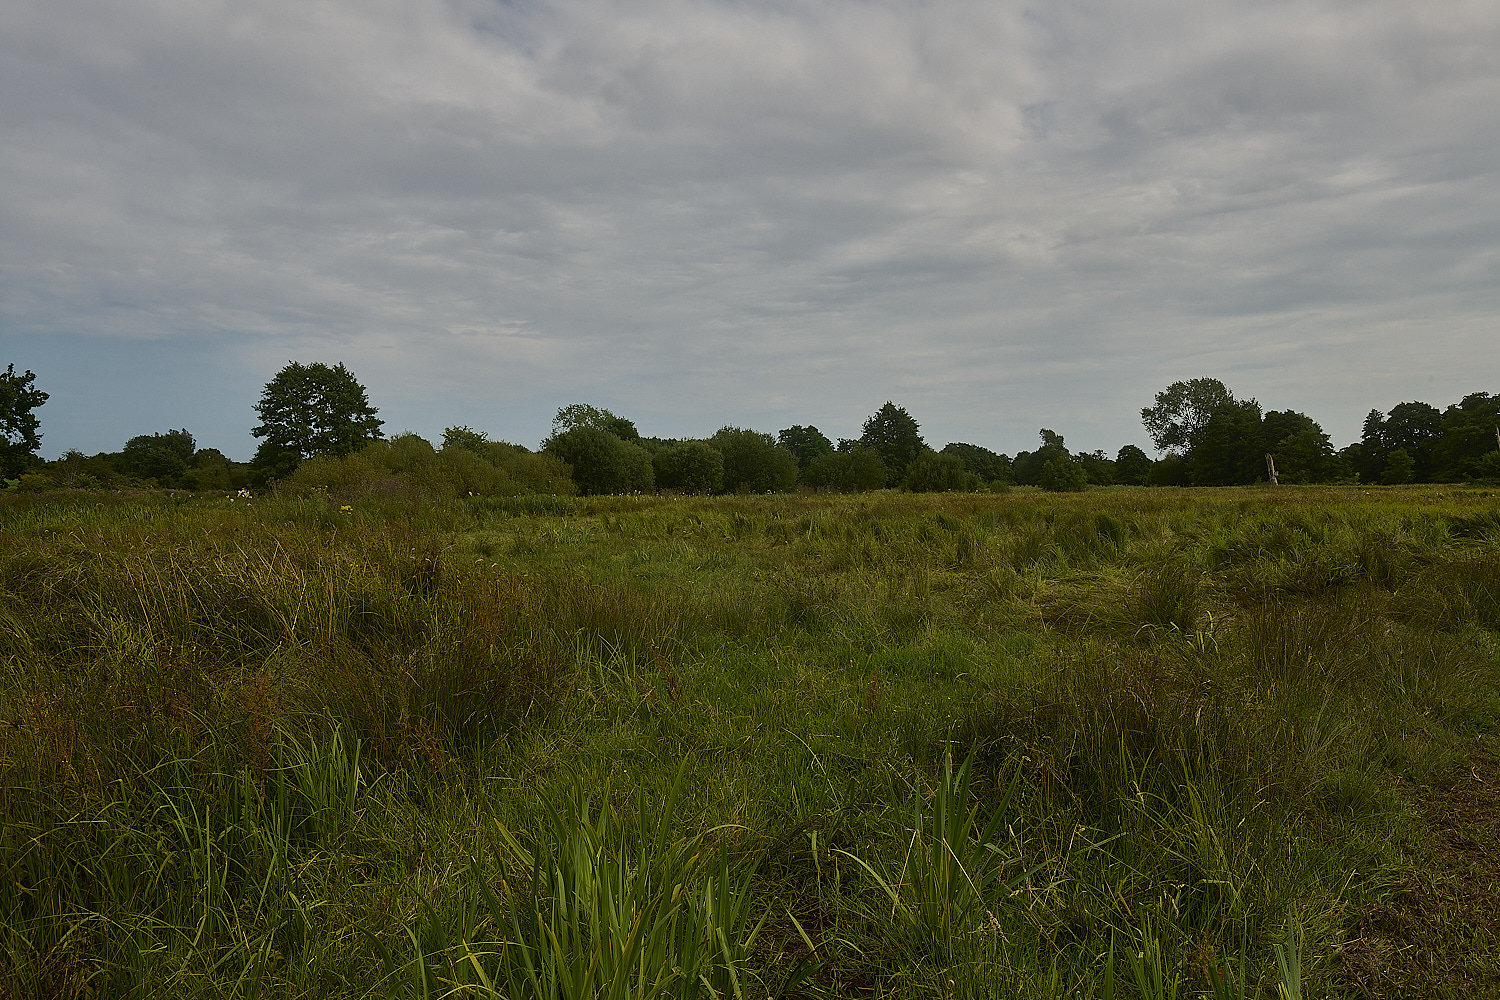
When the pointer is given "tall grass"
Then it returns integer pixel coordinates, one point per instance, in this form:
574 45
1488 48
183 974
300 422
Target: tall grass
543 746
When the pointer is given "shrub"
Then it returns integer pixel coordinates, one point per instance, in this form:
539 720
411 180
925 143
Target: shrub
692 467
753 462
1063 474
939 473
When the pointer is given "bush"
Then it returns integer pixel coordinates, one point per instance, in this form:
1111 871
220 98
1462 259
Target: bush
692 467
753 462
932 472
846 471
602 462
1063 474
492 469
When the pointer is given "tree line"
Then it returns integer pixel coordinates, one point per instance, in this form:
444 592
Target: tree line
318 429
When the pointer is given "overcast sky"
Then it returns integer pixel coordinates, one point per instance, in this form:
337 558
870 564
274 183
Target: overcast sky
705 212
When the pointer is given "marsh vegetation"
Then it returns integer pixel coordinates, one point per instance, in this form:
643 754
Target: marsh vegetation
1122 743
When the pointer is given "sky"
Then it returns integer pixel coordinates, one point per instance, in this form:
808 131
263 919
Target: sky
700 213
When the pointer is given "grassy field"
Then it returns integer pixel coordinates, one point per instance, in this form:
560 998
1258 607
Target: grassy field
1134 743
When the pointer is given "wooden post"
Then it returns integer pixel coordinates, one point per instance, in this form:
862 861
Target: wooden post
1271 467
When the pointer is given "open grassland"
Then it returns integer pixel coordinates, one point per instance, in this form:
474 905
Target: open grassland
1120 744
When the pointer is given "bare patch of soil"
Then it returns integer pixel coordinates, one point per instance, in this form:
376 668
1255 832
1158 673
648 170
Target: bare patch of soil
1437 934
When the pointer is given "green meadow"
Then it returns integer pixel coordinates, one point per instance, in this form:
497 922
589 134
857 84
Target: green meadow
1125 743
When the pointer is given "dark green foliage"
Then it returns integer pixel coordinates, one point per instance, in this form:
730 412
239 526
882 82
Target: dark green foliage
577 415
602 462
467 438
807 443
689 467
211 469
79 471
1230 448
20 436
1182 411
309 410
1132 466
1098 467
857 470
1471 433
934 472
894 436
1413 427
1029 464
1063 474
1170 470
987 465
754 462
1303 452
470 464
163 458
273 463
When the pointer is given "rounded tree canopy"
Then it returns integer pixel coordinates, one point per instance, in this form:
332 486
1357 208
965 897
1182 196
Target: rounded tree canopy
315 410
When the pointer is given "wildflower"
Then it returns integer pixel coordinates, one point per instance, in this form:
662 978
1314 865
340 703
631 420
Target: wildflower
346 508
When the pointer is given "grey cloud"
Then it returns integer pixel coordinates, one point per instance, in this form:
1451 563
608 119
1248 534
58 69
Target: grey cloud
705 212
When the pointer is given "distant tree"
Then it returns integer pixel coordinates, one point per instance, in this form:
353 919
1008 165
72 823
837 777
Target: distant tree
163 458
211 469
1399 468
466 437
1063 474
689 466
856 470
309 410
1303 453
1182 411
583 415
601 462
1170 470
19 434
82 472
806 443
1132 466
1230 448
1412 427
987 465
939 472
894 436
754 462
1098 467
1028 465
1470 430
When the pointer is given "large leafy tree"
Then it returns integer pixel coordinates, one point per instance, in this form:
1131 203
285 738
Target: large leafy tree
807 443
1303 451
1413 428
1471 435
603 451
1132 465
1182 411
986 464
1230 448
309 410
576 415
1029 464
939 472
19 437
601 462
894 436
